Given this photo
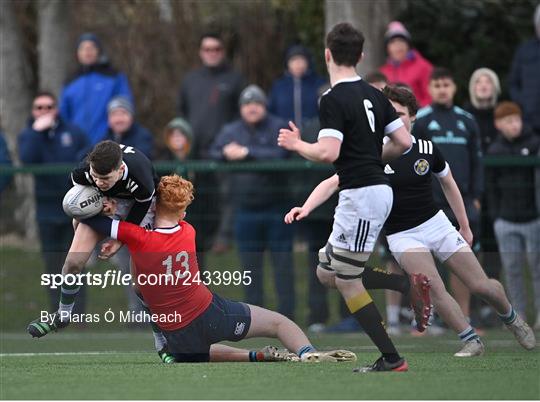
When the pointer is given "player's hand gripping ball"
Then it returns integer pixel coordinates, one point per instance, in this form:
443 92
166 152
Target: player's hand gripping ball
82 202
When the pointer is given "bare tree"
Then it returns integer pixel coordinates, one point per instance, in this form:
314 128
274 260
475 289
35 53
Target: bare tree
15 74
371 17
54 51
15 101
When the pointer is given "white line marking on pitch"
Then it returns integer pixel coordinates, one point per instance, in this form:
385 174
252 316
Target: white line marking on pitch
109 352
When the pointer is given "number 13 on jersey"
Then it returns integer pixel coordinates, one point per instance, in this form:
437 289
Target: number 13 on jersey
182 259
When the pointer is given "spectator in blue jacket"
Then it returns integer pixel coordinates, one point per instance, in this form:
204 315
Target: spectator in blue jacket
86 95
123 128
5 160
294 96
49 139
524 80
259 198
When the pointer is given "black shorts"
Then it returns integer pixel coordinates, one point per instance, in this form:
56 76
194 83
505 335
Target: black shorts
223 320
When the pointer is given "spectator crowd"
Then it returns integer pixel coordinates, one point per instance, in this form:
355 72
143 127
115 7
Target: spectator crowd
223 117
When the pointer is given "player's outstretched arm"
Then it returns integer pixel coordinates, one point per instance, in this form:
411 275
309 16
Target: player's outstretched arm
400 141
455 200
319 195
325 150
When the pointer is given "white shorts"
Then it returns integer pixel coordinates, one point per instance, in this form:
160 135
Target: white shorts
360 216
123 206
437 234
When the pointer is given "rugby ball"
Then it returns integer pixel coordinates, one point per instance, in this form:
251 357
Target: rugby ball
82 202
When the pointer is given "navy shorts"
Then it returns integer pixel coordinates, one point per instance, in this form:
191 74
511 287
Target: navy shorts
223 320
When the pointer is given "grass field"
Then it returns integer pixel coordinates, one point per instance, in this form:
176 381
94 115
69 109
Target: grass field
120 365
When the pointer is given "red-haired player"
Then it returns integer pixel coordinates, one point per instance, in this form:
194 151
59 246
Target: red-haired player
198 318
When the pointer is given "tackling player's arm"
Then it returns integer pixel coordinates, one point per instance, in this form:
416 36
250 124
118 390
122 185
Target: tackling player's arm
451 191
127 233
319 195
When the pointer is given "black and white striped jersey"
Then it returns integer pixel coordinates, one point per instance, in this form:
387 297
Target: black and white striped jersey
359 116
411 179
138 182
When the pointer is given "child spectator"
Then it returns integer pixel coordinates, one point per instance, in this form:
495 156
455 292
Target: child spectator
512 200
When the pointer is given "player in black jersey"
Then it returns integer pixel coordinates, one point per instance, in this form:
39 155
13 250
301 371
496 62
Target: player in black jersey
416 228
354 118
128 178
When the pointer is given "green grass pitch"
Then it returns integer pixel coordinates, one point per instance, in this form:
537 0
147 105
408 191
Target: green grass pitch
120 365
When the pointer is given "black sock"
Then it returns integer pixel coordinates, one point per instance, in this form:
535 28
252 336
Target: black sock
377 278
366 313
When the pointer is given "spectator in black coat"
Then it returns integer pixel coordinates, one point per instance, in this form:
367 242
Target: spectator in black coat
524 79
513 206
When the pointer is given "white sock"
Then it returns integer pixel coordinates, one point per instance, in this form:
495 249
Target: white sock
67 308
392 314
159 340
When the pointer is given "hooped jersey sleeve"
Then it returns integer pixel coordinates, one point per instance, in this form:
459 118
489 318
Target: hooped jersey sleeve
132 235
440 166
332 118
391 119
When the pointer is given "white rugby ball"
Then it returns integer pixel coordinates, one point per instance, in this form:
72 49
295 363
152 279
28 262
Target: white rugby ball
82 202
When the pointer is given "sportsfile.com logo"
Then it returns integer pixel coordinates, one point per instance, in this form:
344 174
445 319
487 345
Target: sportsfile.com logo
118 278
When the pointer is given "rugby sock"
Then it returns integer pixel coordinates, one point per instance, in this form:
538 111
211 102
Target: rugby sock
392 314
509 317
305 349
256 356
364 310
377 278
67 297
468 334
159 339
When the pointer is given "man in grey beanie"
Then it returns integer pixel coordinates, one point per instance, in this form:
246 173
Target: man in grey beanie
123 128
259 197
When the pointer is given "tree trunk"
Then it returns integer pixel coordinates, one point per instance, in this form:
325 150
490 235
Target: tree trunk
15 75
55 53
371 17
15 102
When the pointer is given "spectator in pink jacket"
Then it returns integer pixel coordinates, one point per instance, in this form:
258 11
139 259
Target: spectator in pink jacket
405 64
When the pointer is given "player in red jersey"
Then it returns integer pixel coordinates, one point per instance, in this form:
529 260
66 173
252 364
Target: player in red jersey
192 318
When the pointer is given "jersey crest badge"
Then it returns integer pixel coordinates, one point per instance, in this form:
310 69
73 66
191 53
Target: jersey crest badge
388 170
421 167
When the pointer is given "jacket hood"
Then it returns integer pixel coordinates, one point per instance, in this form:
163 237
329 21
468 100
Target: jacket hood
299 50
